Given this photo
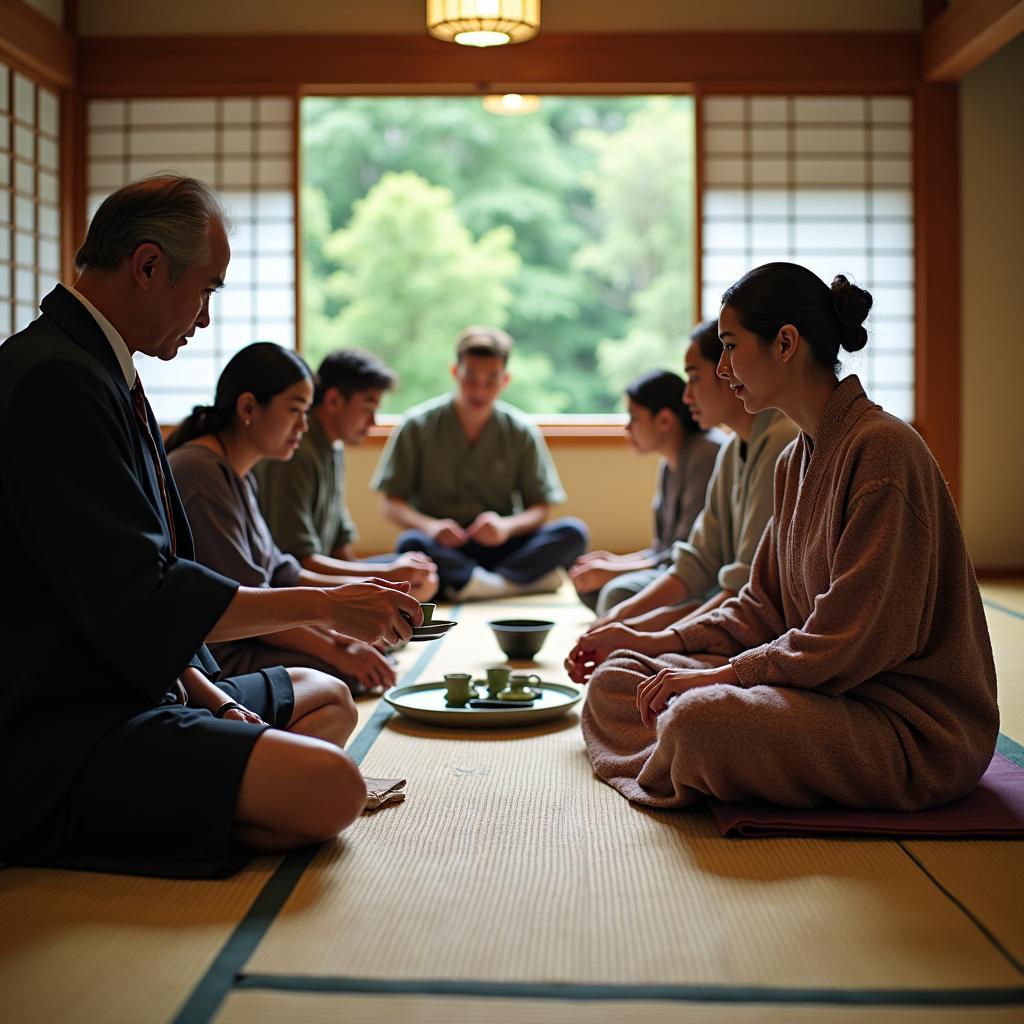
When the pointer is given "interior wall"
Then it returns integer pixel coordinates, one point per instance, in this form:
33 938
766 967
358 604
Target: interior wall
615 501
254 17
992 361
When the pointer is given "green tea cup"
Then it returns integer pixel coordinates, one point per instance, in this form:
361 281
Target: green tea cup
459 688
497 679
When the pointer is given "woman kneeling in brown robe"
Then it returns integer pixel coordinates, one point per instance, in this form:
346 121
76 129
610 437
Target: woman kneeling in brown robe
855 666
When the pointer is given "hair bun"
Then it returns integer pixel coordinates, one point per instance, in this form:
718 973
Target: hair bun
852 305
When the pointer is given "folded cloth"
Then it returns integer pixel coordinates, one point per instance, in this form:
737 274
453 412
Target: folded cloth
383 791
995 808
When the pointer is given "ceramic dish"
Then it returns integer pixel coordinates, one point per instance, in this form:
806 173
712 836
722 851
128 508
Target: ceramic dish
425 702
432 631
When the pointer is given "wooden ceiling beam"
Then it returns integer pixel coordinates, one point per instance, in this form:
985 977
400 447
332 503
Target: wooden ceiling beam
968 33
36 45
188 65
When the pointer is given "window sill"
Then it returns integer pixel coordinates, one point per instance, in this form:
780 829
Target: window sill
566 430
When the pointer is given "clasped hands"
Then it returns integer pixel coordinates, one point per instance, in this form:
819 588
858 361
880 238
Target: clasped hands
488 529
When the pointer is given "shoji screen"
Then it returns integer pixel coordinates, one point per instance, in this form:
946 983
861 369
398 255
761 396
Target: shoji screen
29 197
242 146
825 181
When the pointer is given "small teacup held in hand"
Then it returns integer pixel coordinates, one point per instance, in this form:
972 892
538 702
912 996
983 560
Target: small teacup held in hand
519 687
497 679
428 613
459 688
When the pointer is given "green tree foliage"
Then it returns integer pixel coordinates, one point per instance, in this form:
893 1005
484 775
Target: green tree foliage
411 277
475 185
643 189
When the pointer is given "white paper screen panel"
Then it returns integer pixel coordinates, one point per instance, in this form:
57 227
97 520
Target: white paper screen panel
825 181
242 147
29 197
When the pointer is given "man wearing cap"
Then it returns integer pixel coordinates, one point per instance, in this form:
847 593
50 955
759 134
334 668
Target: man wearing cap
472 482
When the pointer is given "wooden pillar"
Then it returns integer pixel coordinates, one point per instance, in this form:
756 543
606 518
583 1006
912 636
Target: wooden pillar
937 249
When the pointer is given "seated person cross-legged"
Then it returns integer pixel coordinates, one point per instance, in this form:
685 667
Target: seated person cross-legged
659 421
855 667
303 498
259 412
471 480
130 749
721 545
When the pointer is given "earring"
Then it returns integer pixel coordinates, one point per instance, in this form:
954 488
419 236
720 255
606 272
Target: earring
248 423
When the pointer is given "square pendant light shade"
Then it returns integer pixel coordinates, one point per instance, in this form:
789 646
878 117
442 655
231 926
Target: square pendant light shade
483 22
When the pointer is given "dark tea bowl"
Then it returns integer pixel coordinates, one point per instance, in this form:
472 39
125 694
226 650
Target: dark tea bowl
521 639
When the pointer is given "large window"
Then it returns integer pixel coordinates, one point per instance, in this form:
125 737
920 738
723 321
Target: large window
824 181
242 146
571 227
29 198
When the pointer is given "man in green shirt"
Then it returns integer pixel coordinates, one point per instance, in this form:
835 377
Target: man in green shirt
471 480
303 499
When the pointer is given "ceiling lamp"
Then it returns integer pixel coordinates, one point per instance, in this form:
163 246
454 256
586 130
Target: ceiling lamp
511 103
483 22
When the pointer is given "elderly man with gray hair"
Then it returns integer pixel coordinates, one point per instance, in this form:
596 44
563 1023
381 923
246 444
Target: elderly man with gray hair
132 753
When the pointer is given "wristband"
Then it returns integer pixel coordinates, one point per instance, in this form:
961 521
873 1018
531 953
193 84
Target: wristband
225 707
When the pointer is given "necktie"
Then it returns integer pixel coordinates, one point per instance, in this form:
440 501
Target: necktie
139 400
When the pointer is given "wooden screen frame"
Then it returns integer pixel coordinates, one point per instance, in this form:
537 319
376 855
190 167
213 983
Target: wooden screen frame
697 63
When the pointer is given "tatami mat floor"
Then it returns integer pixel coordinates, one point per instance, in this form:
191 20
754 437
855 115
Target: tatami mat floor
511 884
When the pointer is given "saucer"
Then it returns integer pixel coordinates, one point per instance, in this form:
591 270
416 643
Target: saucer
432 631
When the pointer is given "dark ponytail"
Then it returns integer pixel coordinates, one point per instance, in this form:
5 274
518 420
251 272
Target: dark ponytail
662 389
263 368
776 294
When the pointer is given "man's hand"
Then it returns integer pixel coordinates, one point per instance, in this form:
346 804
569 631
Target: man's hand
241 714
374 610
363 663
416 569
447 533
489 529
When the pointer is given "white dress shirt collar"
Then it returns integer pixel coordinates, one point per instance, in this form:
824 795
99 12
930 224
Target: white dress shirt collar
124 357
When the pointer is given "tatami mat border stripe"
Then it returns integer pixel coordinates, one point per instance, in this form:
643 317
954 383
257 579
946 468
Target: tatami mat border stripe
992 939
224 972
632 993
988 603
1011 750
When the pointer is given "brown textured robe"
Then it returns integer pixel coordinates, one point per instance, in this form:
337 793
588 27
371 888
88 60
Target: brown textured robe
860 643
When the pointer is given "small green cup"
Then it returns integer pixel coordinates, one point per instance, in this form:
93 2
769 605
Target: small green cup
497 679
428 613
460 688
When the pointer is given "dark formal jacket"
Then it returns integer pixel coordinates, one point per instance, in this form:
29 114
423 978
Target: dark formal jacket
101 618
